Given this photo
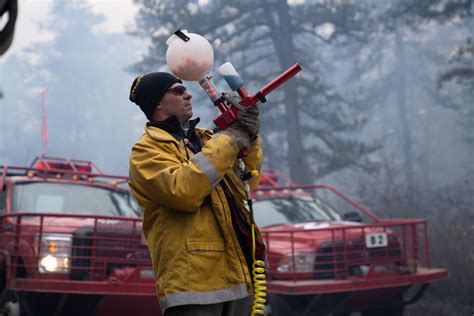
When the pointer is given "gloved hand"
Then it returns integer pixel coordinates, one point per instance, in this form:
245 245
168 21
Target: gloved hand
249 120
239 134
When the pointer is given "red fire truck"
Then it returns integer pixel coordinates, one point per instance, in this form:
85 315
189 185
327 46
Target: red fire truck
71 244
323 261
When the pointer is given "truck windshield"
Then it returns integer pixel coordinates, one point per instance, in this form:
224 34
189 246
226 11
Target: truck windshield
292 210
65 198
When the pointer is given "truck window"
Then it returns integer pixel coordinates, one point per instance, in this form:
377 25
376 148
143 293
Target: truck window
3 199
292 210
44 197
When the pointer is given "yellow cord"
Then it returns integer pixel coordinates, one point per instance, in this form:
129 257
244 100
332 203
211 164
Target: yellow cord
259 281
258 266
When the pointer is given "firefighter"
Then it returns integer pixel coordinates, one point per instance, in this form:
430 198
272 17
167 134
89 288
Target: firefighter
195 219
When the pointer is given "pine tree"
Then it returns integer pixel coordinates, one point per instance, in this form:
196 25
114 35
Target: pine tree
460 69
306 123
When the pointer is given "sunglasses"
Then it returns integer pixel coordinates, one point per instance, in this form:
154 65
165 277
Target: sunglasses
178 90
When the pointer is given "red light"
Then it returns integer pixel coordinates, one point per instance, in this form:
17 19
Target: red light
41 165
53 165
62 166
83 168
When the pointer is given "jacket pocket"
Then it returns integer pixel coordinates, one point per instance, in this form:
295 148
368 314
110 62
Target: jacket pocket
206 264
203 245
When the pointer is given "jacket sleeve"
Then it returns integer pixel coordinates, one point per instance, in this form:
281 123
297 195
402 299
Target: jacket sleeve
159 174
253 161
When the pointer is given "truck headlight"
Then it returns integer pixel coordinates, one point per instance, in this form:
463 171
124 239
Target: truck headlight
54 253
299 262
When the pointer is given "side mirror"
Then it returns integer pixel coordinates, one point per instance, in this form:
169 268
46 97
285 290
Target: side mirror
352 217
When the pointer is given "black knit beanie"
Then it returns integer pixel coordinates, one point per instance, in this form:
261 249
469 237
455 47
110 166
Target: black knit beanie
146 91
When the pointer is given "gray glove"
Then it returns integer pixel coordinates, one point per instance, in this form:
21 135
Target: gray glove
239 134
249 120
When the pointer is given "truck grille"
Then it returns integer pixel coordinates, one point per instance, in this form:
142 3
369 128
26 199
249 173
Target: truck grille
340 259
387 247
97 252
64 253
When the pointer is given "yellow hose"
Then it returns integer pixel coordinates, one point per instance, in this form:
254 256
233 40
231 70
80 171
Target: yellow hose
259 281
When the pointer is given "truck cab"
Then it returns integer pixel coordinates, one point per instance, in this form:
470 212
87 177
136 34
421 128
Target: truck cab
71 242
324 261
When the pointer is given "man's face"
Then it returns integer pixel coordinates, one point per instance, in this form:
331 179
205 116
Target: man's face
176 101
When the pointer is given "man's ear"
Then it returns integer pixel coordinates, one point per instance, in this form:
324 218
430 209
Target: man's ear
158 106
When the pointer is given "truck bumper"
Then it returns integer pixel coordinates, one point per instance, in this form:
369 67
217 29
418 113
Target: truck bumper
126 281
303 287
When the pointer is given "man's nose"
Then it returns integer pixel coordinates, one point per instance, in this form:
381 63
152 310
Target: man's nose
187 95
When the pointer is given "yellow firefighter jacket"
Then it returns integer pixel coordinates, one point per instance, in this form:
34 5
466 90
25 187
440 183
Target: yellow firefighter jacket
186 219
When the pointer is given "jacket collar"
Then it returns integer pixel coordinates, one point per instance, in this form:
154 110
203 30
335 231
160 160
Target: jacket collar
170 125
173 127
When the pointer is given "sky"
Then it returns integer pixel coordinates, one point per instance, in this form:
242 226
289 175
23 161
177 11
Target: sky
118 14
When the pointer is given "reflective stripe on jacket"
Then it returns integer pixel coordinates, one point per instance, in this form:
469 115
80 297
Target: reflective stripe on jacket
186 218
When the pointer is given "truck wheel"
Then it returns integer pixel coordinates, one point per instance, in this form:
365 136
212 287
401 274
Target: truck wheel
10 309
11 306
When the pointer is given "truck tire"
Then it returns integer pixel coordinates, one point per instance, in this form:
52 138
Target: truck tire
13 305
10 308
